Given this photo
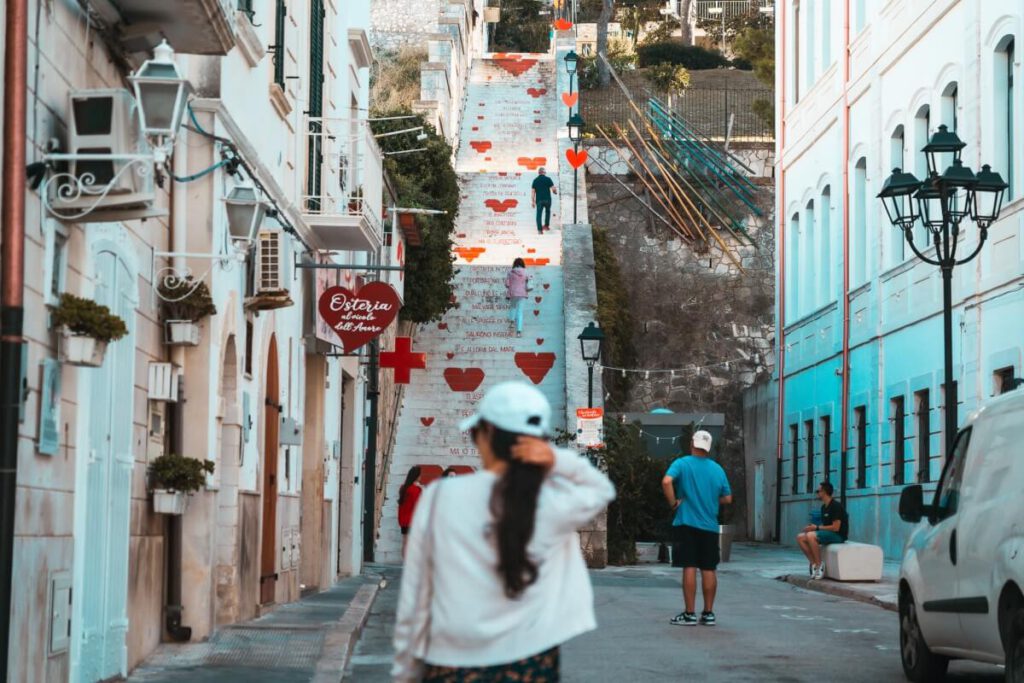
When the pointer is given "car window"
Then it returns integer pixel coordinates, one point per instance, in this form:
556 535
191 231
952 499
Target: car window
947 496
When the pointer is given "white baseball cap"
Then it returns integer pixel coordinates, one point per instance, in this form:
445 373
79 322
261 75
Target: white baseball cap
514 407
702 440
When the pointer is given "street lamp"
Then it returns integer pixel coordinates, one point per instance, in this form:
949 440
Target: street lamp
245 212
571 61
591 344
161 92
943 202
575 126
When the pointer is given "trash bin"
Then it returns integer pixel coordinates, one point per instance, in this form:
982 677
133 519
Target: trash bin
726 532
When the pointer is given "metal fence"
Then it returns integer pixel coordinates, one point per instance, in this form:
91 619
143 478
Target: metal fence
708 110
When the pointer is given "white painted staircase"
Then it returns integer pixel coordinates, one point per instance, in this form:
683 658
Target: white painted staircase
508 129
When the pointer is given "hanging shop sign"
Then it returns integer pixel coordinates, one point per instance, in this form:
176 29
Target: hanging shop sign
361 316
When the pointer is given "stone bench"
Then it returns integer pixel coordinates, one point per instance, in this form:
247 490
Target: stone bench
853 561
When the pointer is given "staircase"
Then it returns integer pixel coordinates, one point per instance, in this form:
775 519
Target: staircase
508 130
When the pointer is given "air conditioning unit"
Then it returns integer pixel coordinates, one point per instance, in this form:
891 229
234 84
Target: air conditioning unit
104 122
270 275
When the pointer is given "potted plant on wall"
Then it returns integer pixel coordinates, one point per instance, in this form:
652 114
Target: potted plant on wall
86 328
175 477
186 301
355 200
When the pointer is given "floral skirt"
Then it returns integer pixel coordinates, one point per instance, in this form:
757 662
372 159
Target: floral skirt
542 668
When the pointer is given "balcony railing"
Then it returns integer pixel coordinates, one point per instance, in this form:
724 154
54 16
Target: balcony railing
344 185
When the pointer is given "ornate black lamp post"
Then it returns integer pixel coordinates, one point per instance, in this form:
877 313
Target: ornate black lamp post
591 344
571 59
575 125
943 201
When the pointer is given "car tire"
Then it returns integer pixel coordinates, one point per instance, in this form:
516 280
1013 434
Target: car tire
1015 648
919 663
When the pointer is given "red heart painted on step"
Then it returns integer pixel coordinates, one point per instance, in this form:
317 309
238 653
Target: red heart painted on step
427 421
535 365
461 235
531 251
517 67
479 118
536 111
450 355
469 254
570 99
563 25
501 206
576 159
536 313
546 285
442 326
480 146
532 163
488 159
538 299
536 92
540 341
464 379
357 317
503 173
476 128
537 121
537 261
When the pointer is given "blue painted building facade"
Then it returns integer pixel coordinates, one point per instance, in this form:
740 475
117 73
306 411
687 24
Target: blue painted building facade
857 96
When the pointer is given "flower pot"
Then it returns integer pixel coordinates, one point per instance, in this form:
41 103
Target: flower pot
181 333
166 502
80 350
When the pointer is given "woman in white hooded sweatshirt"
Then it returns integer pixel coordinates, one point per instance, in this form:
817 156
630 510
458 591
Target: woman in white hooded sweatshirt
494 579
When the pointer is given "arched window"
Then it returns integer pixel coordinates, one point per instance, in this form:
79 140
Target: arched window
897 150
922 128
949 105
1002 130
793 269
859 264
823 286
809 298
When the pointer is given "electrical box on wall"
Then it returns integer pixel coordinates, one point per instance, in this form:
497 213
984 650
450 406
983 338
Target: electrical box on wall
291 432
60 612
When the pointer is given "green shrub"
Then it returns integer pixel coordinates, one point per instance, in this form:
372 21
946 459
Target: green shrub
86 317
613 312
690 56
186 299
668 78
178 473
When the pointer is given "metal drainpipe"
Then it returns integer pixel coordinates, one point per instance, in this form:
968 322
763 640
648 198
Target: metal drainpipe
780 246
370 461
845 399
12 264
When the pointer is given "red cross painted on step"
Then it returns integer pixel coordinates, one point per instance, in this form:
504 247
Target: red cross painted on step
403 360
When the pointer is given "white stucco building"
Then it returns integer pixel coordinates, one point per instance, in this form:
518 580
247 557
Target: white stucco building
861 85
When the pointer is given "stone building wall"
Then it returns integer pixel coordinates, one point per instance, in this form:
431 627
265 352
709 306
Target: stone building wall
695 312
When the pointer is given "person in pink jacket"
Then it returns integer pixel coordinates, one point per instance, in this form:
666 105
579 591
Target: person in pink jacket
517 284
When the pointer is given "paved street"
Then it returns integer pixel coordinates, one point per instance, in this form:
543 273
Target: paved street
768 630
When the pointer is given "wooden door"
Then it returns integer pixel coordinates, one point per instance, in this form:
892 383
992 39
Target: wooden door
271 448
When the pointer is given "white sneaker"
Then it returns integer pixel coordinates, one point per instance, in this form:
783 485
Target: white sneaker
819 572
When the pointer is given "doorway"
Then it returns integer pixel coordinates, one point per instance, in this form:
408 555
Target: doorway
106 480
228 460
271 448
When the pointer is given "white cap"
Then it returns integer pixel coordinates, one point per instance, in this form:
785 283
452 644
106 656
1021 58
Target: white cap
514 407
702 440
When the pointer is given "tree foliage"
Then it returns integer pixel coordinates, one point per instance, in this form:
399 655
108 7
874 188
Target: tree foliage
395 79
671 79
613 312
522 27
692 57
736 24
424 180
757 46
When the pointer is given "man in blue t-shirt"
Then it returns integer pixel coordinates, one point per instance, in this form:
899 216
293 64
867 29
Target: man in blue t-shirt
695 486
540 197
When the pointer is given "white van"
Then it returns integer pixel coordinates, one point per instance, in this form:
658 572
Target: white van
962 577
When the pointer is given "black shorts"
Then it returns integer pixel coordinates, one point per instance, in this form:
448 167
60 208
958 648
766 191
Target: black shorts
405 530
697 547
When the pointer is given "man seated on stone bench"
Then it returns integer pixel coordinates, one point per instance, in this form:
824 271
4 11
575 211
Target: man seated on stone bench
833 529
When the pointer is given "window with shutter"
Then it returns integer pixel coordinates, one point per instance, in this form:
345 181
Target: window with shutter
317 14
279 24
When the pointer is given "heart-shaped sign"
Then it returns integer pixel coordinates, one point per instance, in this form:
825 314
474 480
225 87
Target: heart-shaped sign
464 379
359 317
563 25
576 159
480 146
535 365
501 206
570 99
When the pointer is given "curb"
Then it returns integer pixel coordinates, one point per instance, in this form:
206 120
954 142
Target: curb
340 640
842 590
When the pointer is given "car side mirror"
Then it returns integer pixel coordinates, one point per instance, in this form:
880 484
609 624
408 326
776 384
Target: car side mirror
912 504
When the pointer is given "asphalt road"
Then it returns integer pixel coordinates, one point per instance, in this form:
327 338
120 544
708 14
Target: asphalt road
767 631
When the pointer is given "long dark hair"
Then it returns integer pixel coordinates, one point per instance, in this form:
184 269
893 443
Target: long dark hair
519 263
410 479
514 506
